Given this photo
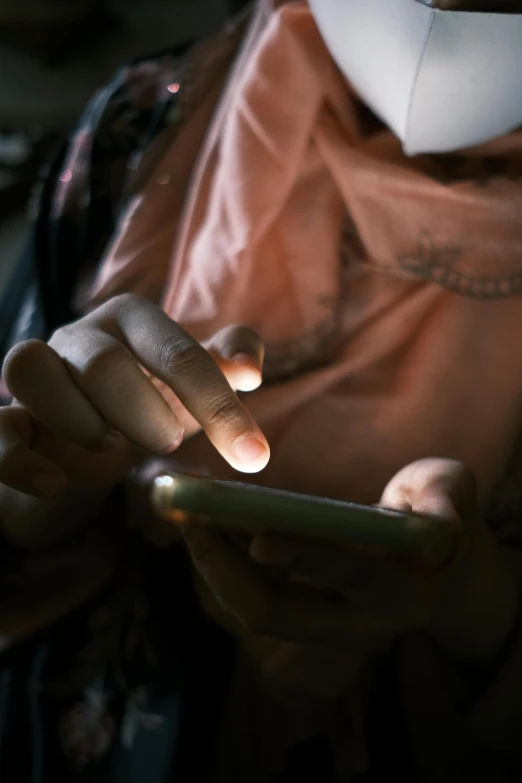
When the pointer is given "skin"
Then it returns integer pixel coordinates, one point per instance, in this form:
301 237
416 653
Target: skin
77 429
364 600
78 424
78 421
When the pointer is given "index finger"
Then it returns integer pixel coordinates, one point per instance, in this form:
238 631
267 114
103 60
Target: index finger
169 353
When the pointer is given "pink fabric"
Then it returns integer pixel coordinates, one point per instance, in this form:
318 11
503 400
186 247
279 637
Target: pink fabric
392 344
387 290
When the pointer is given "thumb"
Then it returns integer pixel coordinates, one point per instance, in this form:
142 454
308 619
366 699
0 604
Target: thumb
441 488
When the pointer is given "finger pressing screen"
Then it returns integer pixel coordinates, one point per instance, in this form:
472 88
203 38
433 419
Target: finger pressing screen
174 357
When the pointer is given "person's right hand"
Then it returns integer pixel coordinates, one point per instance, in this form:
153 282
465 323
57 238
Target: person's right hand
87 403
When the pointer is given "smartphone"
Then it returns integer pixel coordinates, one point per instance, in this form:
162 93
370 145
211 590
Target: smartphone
180 498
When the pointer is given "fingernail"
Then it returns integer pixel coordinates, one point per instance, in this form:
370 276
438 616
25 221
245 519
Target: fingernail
249 449
47 485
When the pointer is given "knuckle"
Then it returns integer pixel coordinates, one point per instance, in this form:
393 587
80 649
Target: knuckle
221 410
177 354
102 363
123 303
62 332
20 357
108 313
117 309
61 339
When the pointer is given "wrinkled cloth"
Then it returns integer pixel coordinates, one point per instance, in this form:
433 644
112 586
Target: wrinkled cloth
383 294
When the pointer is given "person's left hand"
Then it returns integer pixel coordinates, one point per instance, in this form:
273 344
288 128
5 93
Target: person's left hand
331 593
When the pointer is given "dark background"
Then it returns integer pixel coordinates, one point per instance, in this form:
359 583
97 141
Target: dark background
53 56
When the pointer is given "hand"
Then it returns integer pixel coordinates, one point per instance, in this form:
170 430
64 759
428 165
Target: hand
117 384
338 595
